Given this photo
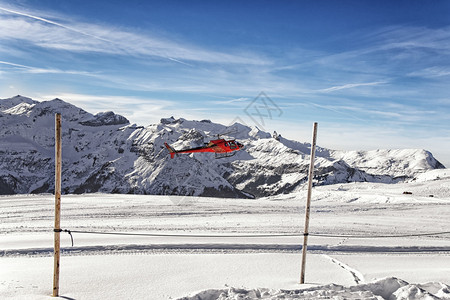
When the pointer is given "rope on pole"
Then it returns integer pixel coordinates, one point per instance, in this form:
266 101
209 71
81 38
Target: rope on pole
362 236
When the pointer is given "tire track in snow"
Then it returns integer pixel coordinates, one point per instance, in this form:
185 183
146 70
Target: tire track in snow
357 276
218 247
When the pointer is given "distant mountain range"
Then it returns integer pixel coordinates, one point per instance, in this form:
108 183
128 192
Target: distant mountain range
105 153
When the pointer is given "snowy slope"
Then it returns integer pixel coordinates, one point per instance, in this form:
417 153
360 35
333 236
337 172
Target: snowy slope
220 262
395 162
104 153
6 104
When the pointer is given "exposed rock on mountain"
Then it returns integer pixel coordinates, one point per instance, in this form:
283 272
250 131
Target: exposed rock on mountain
104 153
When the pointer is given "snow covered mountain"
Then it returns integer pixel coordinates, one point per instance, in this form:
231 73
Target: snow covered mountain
105 153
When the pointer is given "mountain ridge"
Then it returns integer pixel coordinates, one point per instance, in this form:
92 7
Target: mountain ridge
105 153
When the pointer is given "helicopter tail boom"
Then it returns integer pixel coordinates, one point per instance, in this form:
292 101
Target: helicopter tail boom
171 150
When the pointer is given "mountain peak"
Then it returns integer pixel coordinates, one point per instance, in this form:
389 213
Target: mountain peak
102 155
14 101
106 119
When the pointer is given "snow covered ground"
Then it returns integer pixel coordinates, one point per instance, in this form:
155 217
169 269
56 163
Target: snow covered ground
213 263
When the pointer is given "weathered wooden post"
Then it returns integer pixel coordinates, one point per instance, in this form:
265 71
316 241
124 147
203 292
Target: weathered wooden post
57 228
308 203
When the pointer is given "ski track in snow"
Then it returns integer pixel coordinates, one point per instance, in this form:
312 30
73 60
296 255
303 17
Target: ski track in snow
358 276
26 238
220 248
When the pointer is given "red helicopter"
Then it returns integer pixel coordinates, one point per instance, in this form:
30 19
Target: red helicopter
221 148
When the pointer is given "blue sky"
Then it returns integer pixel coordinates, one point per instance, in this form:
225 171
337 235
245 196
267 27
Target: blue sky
373 74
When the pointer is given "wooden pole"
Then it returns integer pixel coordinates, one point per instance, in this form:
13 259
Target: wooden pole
57 228
308 203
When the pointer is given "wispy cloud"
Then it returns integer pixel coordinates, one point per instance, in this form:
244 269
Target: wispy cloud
140 110
431 72
14 65
387 113
242 101
387 52
409 37
369 67
35 70
350 86
51 22
208 71
88 37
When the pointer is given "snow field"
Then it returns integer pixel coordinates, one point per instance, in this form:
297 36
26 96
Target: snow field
170 267
166 276
159 276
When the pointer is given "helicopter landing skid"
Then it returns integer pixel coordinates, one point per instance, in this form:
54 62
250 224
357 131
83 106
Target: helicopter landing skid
218 155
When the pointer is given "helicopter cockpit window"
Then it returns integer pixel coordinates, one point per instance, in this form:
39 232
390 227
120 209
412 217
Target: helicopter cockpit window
233 145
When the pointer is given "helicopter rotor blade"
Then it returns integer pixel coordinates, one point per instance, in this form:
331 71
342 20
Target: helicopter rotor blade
224 133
